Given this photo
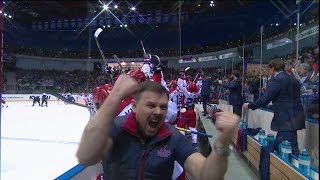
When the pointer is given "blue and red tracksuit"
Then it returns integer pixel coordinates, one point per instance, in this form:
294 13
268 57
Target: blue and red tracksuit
154 159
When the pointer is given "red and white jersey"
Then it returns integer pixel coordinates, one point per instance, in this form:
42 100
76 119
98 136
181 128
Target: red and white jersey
158 78
182 82
171 113
147 70
174 95
199 82
189 97
125 107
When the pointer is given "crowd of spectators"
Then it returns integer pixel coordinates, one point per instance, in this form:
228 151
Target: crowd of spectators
79 81
82 81
64 81
305 69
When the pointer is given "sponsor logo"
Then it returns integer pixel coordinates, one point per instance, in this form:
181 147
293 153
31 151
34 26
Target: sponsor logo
164 152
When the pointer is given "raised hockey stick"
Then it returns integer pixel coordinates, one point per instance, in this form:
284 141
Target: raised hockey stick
59 96
194 132
118 61
144 51
96 34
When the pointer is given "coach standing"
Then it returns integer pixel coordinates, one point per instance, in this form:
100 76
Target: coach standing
284 92
205 93
235 89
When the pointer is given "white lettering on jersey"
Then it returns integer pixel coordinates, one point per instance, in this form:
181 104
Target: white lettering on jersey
189 98
174 96
126 110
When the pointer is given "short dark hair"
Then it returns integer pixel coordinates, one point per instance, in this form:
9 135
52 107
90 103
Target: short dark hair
236 73
150 86
277 64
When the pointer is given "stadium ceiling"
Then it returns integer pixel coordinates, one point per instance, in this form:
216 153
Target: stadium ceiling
26 11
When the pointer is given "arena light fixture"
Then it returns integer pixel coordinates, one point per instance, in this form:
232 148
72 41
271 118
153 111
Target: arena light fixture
125 25
108 25
115 6
133 8
105 7
212 3
10 16
0 12
120 25
5 14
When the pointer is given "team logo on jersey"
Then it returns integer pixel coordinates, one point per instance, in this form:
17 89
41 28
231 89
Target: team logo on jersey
164 152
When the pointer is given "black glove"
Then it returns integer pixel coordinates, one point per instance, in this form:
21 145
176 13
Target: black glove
156 63
156 70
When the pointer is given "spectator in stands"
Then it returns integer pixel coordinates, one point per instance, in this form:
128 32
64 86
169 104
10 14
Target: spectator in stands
288 67
284 92
304 72
235 96
304 77
314 76
142 133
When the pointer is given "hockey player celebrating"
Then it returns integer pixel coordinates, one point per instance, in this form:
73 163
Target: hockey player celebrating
174 93
147 66
187 116
199 78
182 80
102 92
44 99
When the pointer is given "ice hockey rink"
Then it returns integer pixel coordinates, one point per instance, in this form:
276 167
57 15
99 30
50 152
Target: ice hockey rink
40 143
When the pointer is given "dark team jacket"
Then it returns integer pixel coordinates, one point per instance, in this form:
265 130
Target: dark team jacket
131 159
235 88
284 92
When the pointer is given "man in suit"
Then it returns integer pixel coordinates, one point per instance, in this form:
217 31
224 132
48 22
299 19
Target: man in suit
235 89
284 92
205 93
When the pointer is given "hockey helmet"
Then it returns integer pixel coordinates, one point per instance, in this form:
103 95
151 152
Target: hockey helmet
192 87
201 73
155 61
173 84
182 74
100 94
182 71
137 75
147 58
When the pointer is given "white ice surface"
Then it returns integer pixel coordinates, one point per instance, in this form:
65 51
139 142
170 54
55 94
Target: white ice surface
39 143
